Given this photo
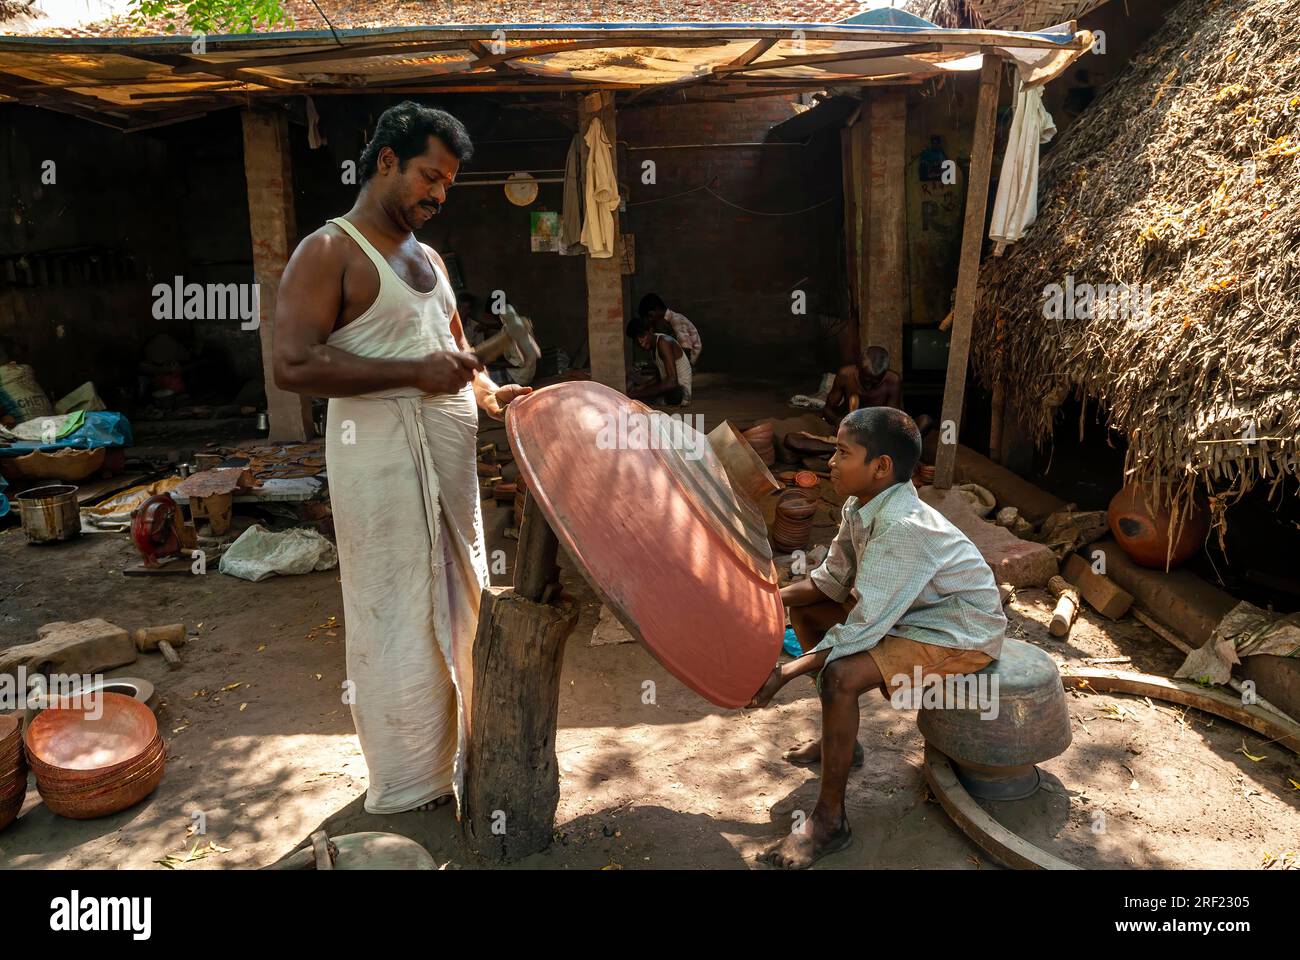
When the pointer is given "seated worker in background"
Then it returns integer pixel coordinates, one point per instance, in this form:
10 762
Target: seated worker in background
672 323
868 384
925 598
673 382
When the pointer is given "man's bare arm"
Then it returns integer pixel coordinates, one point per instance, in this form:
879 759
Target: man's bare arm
895 398
307 305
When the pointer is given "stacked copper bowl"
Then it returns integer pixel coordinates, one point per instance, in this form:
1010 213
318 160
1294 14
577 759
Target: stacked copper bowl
792 529
95 754
13 770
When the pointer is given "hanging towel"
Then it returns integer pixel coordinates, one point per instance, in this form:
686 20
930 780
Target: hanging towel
1016 207
571 217
601 193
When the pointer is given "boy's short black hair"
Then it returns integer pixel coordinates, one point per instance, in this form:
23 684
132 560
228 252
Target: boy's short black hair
407 128
638 325
885 430
651 301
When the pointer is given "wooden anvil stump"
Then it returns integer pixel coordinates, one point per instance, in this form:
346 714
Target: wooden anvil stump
512 779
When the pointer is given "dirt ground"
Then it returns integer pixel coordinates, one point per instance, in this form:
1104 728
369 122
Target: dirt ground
261 744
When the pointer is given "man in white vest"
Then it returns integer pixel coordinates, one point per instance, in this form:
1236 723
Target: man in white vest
367 317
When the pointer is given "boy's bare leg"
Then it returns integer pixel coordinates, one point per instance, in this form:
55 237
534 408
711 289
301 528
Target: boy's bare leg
810 624
783 673
827 830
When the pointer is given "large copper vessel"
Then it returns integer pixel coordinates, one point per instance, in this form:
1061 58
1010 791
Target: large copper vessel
651 518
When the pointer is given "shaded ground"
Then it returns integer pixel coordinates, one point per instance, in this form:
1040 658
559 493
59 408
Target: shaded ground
676 783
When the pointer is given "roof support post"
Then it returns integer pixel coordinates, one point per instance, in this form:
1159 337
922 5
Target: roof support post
977 194
886 248
605 333
271 222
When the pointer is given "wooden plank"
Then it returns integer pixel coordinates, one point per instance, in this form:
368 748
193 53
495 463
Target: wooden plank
861 214
269 177
997 841
1212 700
977 194
837 57
753 53
886 248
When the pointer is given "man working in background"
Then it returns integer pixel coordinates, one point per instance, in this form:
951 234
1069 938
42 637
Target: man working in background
867 384
366 316
672 323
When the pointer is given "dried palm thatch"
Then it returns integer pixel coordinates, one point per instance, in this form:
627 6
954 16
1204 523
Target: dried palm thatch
1002 14
1184 175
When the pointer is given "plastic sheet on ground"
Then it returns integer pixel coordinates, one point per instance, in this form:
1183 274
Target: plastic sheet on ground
259 553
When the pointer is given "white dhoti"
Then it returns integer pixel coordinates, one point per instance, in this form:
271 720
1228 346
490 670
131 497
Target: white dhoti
410 538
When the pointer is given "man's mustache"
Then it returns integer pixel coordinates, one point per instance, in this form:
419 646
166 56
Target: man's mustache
432 205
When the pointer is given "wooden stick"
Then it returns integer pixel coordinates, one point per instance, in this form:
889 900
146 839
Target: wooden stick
1067 607
977 195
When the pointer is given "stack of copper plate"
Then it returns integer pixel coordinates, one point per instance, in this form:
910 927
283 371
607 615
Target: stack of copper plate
762 439
792 529
95 754
13 770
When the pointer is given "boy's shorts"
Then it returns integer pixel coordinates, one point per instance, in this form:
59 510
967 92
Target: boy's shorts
898 655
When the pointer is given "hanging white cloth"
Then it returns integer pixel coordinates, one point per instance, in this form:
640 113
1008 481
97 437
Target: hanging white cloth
404 488
601 191
1016 207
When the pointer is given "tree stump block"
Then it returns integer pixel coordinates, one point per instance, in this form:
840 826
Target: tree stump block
512 779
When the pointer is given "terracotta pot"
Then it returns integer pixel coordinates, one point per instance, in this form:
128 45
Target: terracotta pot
1145 538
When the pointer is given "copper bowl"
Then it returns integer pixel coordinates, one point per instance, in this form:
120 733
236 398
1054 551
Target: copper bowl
63 787
64 744
112 801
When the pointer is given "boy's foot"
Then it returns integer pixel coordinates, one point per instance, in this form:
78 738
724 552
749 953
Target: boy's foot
811 752
801 850
768 690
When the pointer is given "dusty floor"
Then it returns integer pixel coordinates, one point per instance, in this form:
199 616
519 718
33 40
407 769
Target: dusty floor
262 746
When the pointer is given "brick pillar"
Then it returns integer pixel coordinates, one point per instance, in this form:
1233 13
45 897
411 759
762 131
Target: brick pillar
886 251
605 336
271 222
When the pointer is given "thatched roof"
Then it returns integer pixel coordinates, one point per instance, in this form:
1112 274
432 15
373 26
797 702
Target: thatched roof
1002 14
1184 174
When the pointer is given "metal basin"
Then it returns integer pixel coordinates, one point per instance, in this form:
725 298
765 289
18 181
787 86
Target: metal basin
995 749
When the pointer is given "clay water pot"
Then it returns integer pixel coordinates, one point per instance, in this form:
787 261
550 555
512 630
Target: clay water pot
1145 536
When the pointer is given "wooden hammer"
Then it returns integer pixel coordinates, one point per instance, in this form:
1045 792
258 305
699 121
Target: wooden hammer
164 639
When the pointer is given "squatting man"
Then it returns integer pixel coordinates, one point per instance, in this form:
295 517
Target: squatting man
366 316
902 593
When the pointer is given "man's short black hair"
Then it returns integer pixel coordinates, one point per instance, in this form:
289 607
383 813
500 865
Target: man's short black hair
407 128
638 325
651 301
885 430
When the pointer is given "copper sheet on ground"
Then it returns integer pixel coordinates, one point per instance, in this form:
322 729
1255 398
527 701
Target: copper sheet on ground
660 535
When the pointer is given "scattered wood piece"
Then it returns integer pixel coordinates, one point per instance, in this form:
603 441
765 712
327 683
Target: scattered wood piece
86 646
1095 660
1067 607
1102 593
1211 700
